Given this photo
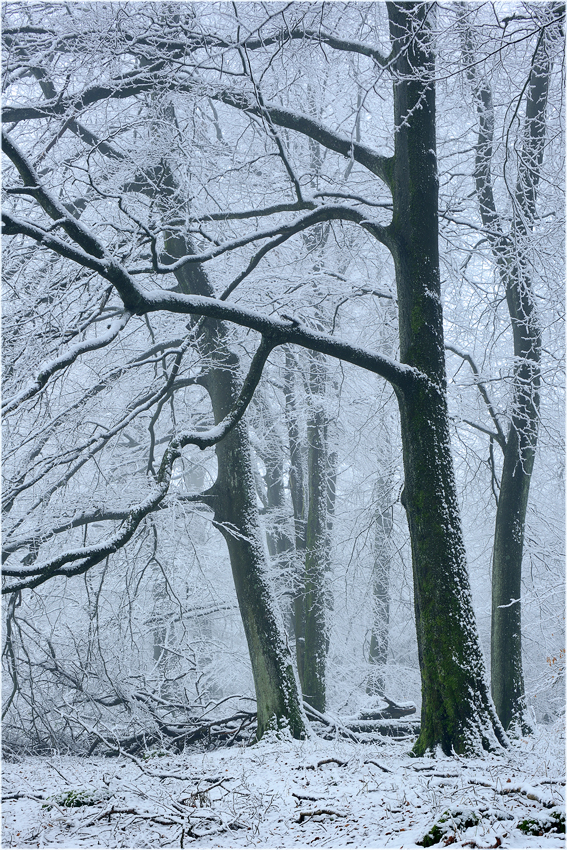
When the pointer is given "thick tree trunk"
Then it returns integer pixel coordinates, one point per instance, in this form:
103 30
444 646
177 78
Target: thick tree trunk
233 498
457 710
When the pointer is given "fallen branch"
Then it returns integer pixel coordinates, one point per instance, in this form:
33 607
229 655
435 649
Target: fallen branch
526 790
380 766
332 761
380 722
331 722
23 795
387 728
304 815
305 797
393 711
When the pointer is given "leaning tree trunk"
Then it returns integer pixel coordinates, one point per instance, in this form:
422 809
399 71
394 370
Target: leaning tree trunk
233 498
457 710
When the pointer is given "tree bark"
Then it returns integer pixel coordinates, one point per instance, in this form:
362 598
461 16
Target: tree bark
457 710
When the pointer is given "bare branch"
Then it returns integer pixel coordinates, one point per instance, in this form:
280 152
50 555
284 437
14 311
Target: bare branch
499 435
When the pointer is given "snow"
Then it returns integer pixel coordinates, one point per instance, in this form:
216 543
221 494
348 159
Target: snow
283 793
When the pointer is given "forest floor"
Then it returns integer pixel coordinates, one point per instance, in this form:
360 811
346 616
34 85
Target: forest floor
284 794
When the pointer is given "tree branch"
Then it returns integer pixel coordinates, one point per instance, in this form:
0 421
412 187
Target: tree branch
78 561
343 44
326 212
499 435
48 369
379 165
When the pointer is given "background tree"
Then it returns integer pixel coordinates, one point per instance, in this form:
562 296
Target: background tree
512 249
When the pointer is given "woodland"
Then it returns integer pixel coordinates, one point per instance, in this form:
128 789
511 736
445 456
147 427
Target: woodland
283 410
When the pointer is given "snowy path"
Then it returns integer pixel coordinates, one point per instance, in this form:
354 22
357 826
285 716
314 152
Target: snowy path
283 794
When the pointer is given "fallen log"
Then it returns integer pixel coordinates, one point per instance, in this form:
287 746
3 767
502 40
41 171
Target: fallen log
389 728
378 722
392 711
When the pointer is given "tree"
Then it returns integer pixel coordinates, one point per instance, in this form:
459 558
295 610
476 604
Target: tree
511 250
233 494
457 711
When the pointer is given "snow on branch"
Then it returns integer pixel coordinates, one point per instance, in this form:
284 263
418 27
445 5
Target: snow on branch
48 369
291 119
325 212
343 44
281 331
32 186
219 432
129 84
78 561
97 516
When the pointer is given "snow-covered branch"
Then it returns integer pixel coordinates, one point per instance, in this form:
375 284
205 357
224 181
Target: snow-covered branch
78 561
50 368
282 232
378 164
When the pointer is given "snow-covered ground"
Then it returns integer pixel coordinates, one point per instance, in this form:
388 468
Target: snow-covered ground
284 794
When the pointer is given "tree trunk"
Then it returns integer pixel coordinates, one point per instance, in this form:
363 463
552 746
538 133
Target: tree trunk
233 498
519 453
281 547
317 541
379 643
457 710
519 447
507 677
299 502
